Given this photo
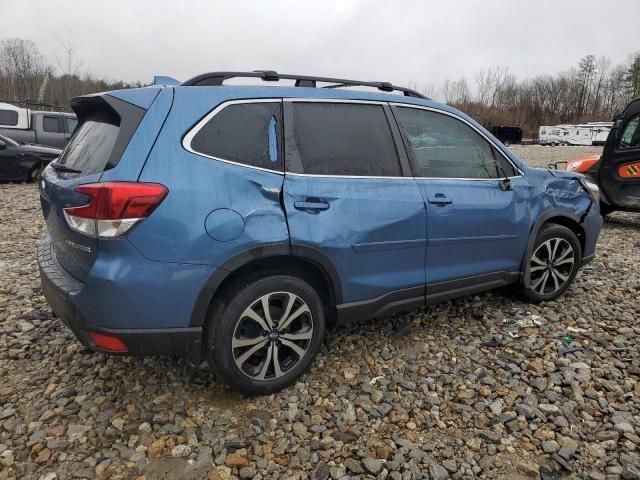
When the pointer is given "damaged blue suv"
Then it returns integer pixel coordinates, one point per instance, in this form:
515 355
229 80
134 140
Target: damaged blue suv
236 223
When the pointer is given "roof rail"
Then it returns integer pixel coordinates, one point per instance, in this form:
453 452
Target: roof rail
217 78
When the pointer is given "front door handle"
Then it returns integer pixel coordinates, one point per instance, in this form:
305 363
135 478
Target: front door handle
310 204
440 200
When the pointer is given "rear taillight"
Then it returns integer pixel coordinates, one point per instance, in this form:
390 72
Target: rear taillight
114 208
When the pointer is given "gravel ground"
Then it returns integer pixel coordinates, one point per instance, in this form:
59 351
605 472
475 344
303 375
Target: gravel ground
542 156
487 387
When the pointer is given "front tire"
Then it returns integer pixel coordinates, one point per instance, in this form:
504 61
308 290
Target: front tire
553 264
264 333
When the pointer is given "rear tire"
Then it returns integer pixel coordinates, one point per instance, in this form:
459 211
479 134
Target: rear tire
36 173
260 353
553 264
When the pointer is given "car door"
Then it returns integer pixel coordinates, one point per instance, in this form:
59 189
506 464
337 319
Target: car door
7 160
349 195
620 166
477 222
52 131
14 164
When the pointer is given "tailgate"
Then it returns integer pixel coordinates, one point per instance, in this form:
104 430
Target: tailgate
106 125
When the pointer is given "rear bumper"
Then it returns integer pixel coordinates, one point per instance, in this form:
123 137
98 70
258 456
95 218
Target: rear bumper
62 292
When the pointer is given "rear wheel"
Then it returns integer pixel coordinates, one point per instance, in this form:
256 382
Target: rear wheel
553 264
36 173
264 333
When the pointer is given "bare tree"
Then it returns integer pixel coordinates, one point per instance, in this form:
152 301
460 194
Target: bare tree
633 75
22 68
67 58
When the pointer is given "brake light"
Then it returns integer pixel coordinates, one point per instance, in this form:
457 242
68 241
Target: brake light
114 208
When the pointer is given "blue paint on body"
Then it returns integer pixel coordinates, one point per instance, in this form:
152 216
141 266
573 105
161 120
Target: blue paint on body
377 235
224 225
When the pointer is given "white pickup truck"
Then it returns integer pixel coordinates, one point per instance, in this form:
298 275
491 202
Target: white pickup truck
24 125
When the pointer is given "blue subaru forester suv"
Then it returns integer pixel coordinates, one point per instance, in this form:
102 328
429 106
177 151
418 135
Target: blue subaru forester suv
235 223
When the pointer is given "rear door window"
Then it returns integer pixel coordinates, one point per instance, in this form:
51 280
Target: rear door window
50 124
344 139
245 133
444 147
90 147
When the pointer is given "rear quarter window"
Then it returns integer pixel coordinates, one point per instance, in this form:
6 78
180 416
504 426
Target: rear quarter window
245 133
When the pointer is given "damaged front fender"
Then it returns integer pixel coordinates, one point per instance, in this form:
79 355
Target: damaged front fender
564 199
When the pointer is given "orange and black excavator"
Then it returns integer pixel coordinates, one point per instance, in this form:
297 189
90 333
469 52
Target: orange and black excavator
617 170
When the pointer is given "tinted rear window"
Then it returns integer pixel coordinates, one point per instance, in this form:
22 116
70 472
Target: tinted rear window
246 133
8 117
344 139
91 145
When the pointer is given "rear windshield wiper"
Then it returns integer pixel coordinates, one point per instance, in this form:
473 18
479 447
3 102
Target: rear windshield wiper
63 168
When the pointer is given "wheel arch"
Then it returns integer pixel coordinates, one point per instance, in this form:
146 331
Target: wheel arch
36 165
300 260
568 219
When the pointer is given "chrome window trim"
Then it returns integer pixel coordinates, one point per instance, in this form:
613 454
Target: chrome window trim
188 138
334 100
474 128
317 175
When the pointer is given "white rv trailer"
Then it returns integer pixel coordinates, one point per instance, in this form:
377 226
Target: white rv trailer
548 135
599 132
594 133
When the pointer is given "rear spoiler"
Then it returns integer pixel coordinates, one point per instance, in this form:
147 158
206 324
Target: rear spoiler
160 80
124 114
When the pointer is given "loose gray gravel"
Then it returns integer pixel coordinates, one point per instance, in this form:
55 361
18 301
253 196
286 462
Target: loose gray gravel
485 386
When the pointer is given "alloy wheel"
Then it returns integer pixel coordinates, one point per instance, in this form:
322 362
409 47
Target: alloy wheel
272 335
551 266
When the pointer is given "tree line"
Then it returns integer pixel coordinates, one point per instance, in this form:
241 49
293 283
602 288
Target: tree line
26 76
593 90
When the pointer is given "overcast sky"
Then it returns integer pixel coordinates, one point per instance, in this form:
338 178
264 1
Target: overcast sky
402 41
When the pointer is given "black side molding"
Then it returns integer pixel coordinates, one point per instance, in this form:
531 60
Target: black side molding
393 302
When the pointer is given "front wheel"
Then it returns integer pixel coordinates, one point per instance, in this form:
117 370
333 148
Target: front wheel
263 334
554 262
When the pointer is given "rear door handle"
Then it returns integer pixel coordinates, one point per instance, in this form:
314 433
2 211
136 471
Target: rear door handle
440 200
311 205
